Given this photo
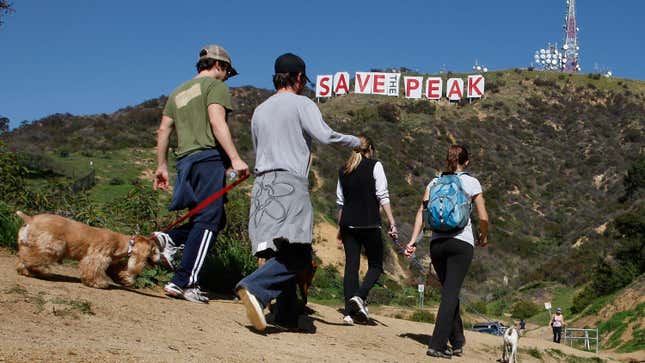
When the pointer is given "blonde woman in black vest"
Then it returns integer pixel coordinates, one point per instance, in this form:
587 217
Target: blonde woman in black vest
360 194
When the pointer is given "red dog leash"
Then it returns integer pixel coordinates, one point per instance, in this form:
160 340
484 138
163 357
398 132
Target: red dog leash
206 202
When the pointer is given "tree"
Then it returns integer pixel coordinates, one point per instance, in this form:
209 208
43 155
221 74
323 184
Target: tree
6 8
4 125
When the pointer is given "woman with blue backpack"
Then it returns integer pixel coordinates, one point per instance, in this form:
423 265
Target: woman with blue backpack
446 206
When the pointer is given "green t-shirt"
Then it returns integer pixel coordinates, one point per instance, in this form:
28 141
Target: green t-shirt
188 107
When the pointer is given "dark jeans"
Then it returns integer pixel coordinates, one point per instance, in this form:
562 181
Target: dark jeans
557 332
353 239
276 279
451 259
206 178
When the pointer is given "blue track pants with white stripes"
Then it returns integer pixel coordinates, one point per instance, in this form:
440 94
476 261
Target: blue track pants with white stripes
206 177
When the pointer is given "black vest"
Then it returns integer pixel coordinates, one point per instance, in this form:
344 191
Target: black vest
361 207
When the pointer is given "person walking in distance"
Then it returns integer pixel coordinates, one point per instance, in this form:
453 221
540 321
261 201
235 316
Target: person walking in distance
557 323
361 192
197 111
451 250
281 215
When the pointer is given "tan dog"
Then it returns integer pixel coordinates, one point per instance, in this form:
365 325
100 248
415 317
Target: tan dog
48 238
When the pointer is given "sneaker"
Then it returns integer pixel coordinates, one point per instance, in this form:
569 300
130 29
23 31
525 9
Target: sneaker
253 309
173 290
348 320
458 352
439 353
196 295
359 306
167 249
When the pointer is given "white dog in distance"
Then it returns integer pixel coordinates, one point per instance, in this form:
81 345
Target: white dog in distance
511 338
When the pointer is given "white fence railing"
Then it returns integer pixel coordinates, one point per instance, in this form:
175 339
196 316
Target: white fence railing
586 335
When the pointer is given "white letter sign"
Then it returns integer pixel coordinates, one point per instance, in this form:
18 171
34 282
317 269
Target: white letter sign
412 87
434 88
363 84
341 83
475 86
455 89
323 85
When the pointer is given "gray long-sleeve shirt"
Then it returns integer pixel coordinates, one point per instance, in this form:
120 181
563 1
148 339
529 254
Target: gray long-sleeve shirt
282 128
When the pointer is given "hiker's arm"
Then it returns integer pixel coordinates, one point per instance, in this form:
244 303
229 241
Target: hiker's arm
217 116
340 201
480 205
383 196
314 125
418 224
163 138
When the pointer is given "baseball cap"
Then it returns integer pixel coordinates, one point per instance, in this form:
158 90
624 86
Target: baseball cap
559 310
290 63
217 52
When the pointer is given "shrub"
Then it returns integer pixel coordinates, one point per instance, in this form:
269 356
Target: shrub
9 226
423 316
524 309
327 283
389 112
582 300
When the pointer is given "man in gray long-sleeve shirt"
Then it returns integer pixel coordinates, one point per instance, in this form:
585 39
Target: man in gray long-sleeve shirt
281 216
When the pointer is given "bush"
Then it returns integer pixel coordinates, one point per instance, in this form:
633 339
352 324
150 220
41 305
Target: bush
582 300
327 283
9 226
524 309
423 316
389 112
116 181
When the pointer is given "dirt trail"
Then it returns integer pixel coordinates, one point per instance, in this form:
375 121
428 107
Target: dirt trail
61 320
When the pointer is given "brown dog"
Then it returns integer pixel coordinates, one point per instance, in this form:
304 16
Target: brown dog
48 238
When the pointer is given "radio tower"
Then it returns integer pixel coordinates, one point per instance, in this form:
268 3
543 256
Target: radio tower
570 47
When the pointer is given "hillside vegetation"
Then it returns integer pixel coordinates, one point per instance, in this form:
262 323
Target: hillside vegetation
560 158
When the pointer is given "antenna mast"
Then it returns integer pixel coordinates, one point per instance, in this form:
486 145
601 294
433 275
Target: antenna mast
570 47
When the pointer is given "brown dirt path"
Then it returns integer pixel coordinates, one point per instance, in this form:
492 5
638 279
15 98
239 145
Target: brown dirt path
48 320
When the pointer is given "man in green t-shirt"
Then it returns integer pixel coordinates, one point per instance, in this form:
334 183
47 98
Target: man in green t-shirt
197 111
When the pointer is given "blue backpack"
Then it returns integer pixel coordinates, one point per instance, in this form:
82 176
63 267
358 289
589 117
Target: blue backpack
449 206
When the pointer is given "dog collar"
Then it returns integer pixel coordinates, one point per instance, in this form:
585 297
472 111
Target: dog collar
130 245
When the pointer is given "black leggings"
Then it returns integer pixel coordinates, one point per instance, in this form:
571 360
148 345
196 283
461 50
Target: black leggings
353 239
451 259
557 333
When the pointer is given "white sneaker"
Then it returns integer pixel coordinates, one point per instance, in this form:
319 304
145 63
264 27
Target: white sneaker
173 290
253 309
361 309
196 295
348 320
167 249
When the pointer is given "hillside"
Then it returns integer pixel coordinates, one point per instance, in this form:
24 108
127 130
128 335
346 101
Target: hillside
551 150
63 321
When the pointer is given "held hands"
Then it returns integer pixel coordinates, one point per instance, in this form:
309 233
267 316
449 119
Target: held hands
482 241
410 248
161 179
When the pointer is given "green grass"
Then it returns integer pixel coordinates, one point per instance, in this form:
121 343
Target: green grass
71 308
563 357
619 323
533 352
125 164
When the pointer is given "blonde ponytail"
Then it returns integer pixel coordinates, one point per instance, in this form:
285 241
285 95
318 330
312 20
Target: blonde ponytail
357 155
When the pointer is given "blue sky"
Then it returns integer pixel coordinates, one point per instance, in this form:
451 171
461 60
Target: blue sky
89 56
